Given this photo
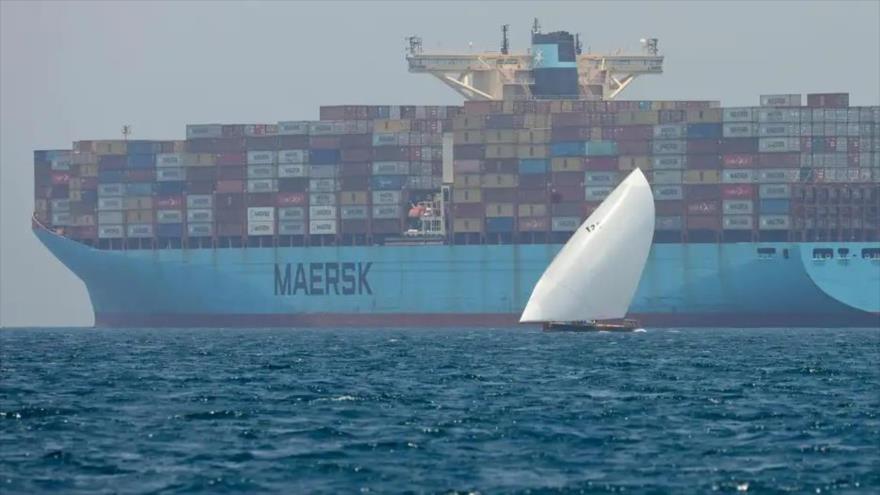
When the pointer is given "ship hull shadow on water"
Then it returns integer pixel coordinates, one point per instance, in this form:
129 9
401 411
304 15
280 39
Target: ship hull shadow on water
592 326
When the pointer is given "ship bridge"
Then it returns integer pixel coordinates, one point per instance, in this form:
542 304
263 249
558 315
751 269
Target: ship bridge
509 76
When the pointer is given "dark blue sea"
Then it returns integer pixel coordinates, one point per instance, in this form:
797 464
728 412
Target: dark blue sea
466 410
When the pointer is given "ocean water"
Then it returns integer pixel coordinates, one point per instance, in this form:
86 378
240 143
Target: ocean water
505 410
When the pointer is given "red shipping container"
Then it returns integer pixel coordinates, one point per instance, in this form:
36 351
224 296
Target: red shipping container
703 207
230 229
356 141
499 195
697 192
231 159
355 169
290 199
567 179
703 162
469 210
563 194
853 145
704 222
229 131
671 207
828 100
202 173
357 154
212 145
229 200
168 202
398 153
531 195
354 183
140 175
778 160
355 226
415 154
324 142
261 199
84 232
262 143
737 191
738 145
639 147
59 178
230 186
739 160
604 163
533 224
559 134
702 146
88 183
388 226
61 191
112 162
299 184
570 119
229 173
533 181
200 186
293 142
636 133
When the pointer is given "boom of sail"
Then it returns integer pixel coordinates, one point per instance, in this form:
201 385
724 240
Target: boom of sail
595 274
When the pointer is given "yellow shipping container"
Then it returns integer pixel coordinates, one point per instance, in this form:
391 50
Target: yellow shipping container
567 106
139 216
537 121
90 170
466 180
531 151
555 106
467 225
507 106
501 136
469 137
707 116
199 159
634 118
468 122
353 198
532 210
494 210
532 136
501 151
467 195
595 133
499 180
634 162
702 177
138 203
566 164
391 125
74 194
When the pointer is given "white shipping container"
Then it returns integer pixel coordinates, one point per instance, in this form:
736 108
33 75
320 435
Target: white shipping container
322 227
774 222
292 213
322 199
169 216
287 170
779 144
739 129
200 215
778 129
322 185
293 156
261 157
669 147
169 160
326 127
105 204
111 231
199 201
667 176
386 211
204 131
669 162
742 114
323 171
565 224
779 115
597 193
200 229
669 131
738 206
262 185
261 228
738 176
600 178
61 163
293 127
778 175
139 230
63 218
168 174
668 192
386 197
261 214
322 212
788 100
111 190
390 168
110 217
738 222
261 171
668 222
353 212
385 139
774 191
60 205
294 227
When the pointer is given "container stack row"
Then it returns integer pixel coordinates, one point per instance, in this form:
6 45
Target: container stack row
772 172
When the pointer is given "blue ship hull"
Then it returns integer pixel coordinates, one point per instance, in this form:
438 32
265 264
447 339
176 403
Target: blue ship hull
683 285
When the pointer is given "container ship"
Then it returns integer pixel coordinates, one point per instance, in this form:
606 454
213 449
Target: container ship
417 215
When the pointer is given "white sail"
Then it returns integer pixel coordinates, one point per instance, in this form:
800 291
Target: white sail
595 275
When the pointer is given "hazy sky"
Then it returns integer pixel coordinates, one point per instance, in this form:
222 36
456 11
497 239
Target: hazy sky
79 70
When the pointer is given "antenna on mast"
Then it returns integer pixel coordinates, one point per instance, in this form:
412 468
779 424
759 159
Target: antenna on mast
415 45
505 42
126 131
536 26
578 46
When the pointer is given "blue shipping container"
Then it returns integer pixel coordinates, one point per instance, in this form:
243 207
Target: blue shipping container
322 171
170 188
169 229
141 160
533 166
110 176
774 206
600 148
704 131
568 148
323 157
139 189
499 224
143 147
387 182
